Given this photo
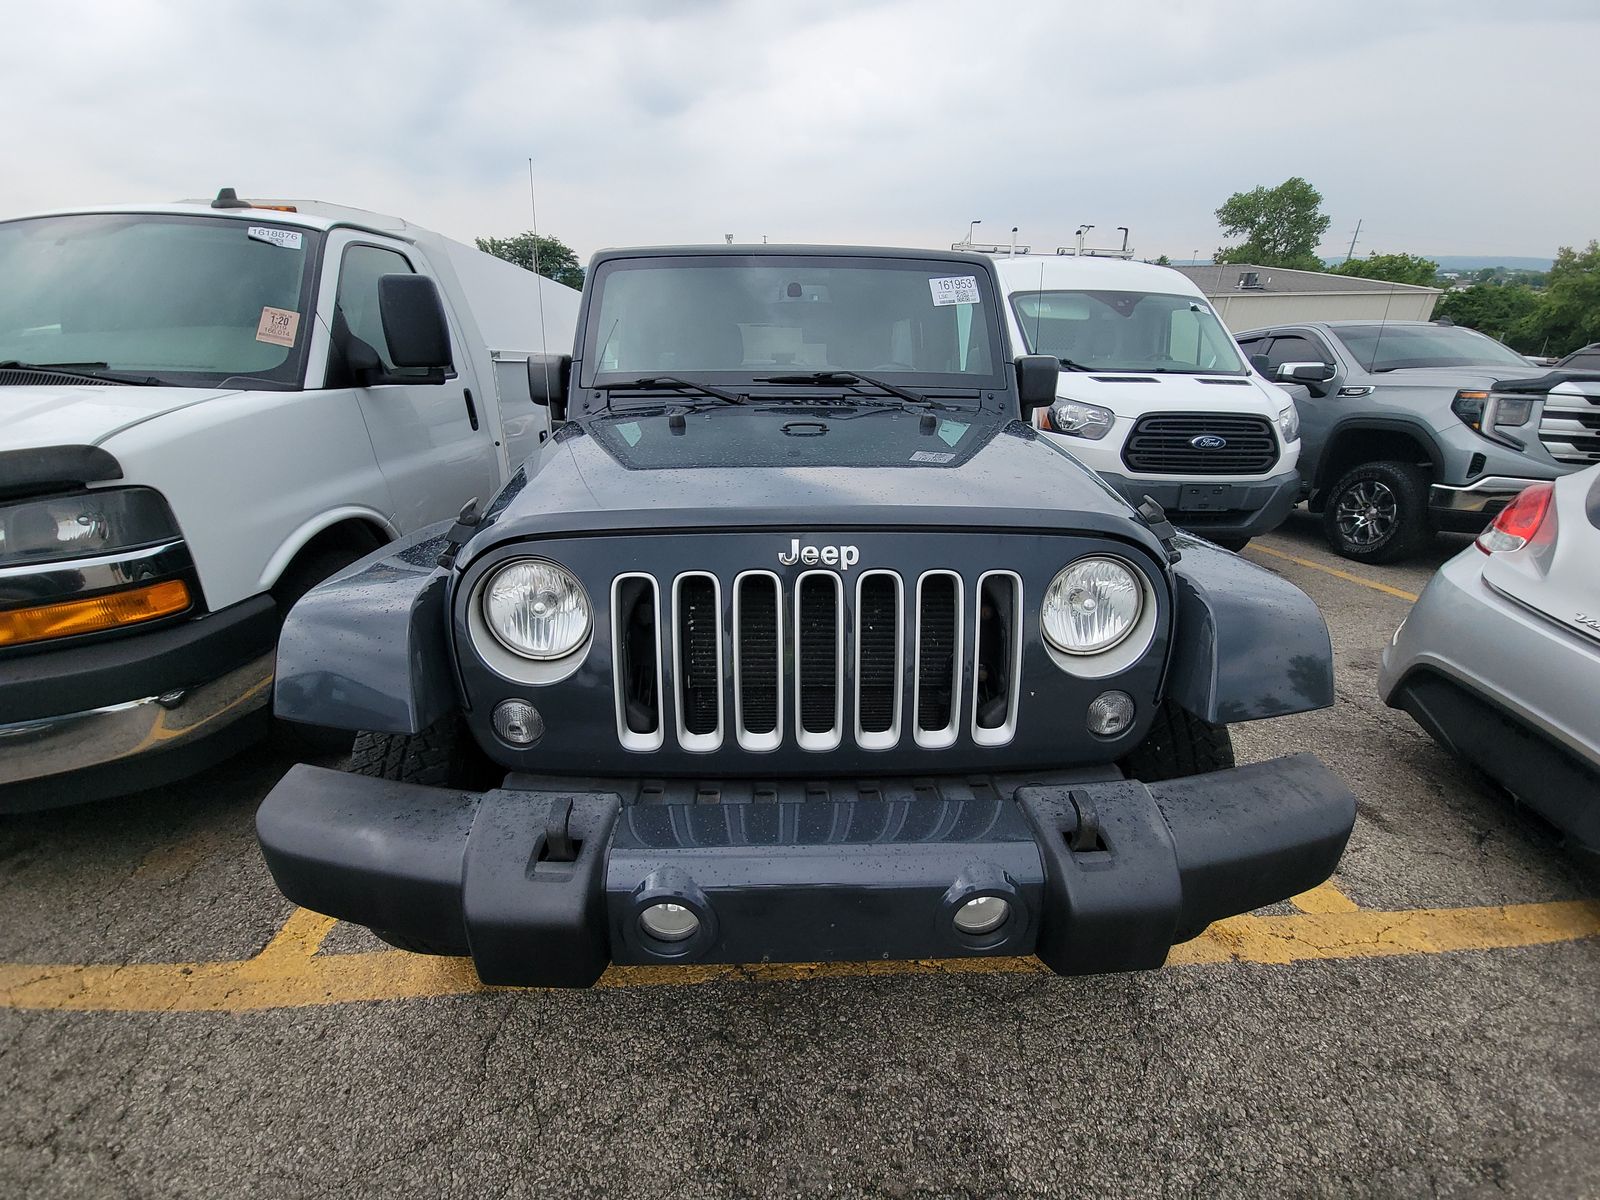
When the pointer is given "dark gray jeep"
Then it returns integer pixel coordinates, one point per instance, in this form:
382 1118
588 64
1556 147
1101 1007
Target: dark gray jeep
798 642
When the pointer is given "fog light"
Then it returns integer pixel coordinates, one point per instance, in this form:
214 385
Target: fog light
518 722
1110 713
669 922
983 914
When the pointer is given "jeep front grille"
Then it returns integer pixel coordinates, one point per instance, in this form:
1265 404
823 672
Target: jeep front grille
1570 428
853 657
1162 444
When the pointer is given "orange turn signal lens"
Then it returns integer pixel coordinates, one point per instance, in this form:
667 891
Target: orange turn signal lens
111 611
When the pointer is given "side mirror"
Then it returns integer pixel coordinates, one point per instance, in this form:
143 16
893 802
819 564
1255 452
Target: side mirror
1037 375
413 322
548 377
1305 372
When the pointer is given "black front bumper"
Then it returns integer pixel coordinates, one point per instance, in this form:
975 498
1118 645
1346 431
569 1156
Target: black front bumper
1102 876
1217 508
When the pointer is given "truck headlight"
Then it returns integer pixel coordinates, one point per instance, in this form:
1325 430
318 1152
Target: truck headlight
536 609
1091 606
82 526
1289 423
1077 419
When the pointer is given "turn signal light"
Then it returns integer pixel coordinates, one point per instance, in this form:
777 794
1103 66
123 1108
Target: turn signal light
1518 521
94 614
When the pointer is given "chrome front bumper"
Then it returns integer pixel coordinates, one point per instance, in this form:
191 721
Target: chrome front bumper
1479 495
47 746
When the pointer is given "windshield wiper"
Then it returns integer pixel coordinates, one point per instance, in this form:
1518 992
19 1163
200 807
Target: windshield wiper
1068 365
674 384
83 370
848 377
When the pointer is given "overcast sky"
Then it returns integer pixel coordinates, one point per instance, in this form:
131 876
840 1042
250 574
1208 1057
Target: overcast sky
1449 128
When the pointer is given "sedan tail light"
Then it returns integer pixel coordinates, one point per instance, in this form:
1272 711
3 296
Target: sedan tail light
1518 521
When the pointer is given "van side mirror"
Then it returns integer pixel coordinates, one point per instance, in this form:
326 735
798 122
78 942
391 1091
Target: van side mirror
1305 372
1037 375
548 377
414 325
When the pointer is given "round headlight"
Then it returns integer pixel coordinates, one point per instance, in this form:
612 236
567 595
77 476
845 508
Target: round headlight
1092 605
536 609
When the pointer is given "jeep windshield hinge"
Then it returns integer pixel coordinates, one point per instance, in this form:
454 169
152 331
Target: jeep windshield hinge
467 523
1156 518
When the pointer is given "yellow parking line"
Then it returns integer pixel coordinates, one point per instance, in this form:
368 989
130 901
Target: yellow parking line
1324 898
288 974
1402 594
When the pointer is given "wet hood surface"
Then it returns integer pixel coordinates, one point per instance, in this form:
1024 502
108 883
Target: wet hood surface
788 465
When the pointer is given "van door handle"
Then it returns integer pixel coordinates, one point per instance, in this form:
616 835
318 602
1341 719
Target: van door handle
472 409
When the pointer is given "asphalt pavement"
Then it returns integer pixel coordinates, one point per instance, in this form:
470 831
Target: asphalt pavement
170 1026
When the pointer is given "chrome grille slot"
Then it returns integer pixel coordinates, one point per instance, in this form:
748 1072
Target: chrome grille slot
636 660
758 660
819 660
879 669
937 697
697 660
997 677
1570 428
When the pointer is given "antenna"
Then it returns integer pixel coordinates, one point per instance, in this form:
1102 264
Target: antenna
1038 308
1378 341
538 281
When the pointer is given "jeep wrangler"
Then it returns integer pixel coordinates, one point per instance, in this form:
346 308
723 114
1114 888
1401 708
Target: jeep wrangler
799 642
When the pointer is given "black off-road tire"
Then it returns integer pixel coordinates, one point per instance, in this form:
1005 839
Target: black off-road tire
1179 744
414 945
1235 544
442 755
1406 529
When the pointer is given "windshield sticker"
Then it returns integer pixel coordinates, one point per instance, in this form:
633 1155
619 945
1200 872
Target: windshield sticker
932 456
954 289
278 326
950 432
287 239
630 432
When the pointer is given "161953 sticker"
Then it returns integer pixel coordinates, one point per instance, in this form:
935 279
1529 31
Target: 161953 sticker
954 289
278 326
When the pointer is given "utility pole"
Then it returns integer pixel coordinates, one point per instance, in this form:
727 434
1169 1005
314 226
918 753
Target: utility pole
1353 238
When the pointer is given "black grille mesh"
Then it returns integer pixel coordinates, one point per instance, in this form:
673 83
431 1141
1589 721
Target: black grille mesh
819 631
936 652
880 633
758 653
697 634
1161 444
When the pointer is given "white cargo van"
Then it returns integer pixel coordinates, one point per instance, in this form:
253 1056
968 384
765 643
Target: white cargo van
205 409
1154 393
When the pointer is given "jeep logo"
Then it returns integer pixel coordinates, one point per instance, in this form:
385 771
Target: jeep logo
1208 441
843 557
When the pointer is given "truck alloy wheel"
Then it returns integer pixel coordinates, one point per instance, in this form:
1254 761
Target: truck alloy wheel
1378 512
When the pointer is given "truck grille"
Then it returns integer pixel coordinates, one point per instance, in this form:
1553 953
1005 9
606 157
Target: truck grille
1570 428
850 660
1162 444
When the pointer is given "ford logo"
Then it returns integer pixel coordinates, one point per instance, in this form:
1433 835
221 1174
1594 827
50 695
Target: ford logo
1208 441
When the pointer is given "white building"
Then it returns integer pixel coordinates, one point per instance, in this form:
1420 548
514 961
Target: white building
1248 297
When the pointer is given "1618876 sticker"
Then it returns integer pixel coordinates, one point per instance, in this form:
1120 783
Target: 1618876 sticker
954 289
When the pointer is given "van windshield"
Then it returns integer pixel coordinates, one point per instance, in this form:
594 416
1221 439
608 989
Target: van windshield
735 319
1127 331
189 301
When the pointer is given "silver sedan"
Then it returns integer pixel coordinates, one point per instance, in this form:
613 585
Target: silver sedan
1500 658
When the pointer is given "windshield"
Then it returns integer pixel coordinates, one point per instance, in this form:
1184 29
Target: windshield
1395 347
187 300
735 319
1127 331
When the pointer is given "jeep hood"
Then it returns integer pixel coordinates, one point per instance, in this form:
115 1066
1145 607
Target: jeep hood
793 467
85 415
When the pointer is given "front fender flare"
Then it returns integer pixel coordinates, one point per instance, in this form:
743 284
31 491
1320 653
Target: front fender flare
368 649
1247 644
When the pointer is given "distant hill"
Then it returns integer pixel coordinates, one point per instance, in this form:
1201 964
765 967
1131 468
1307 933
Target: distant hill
1476 262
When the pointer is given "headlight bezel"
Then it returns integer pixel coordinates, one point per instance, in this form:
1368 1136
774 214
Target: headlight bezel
1091 423
1129 648
1289 423
502 651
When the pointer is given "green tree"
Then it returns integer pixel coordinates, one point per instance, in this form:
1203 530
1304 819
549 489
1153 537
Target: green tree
1507 312
555 258
1569 310
1281 226
1163 261
1392 268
